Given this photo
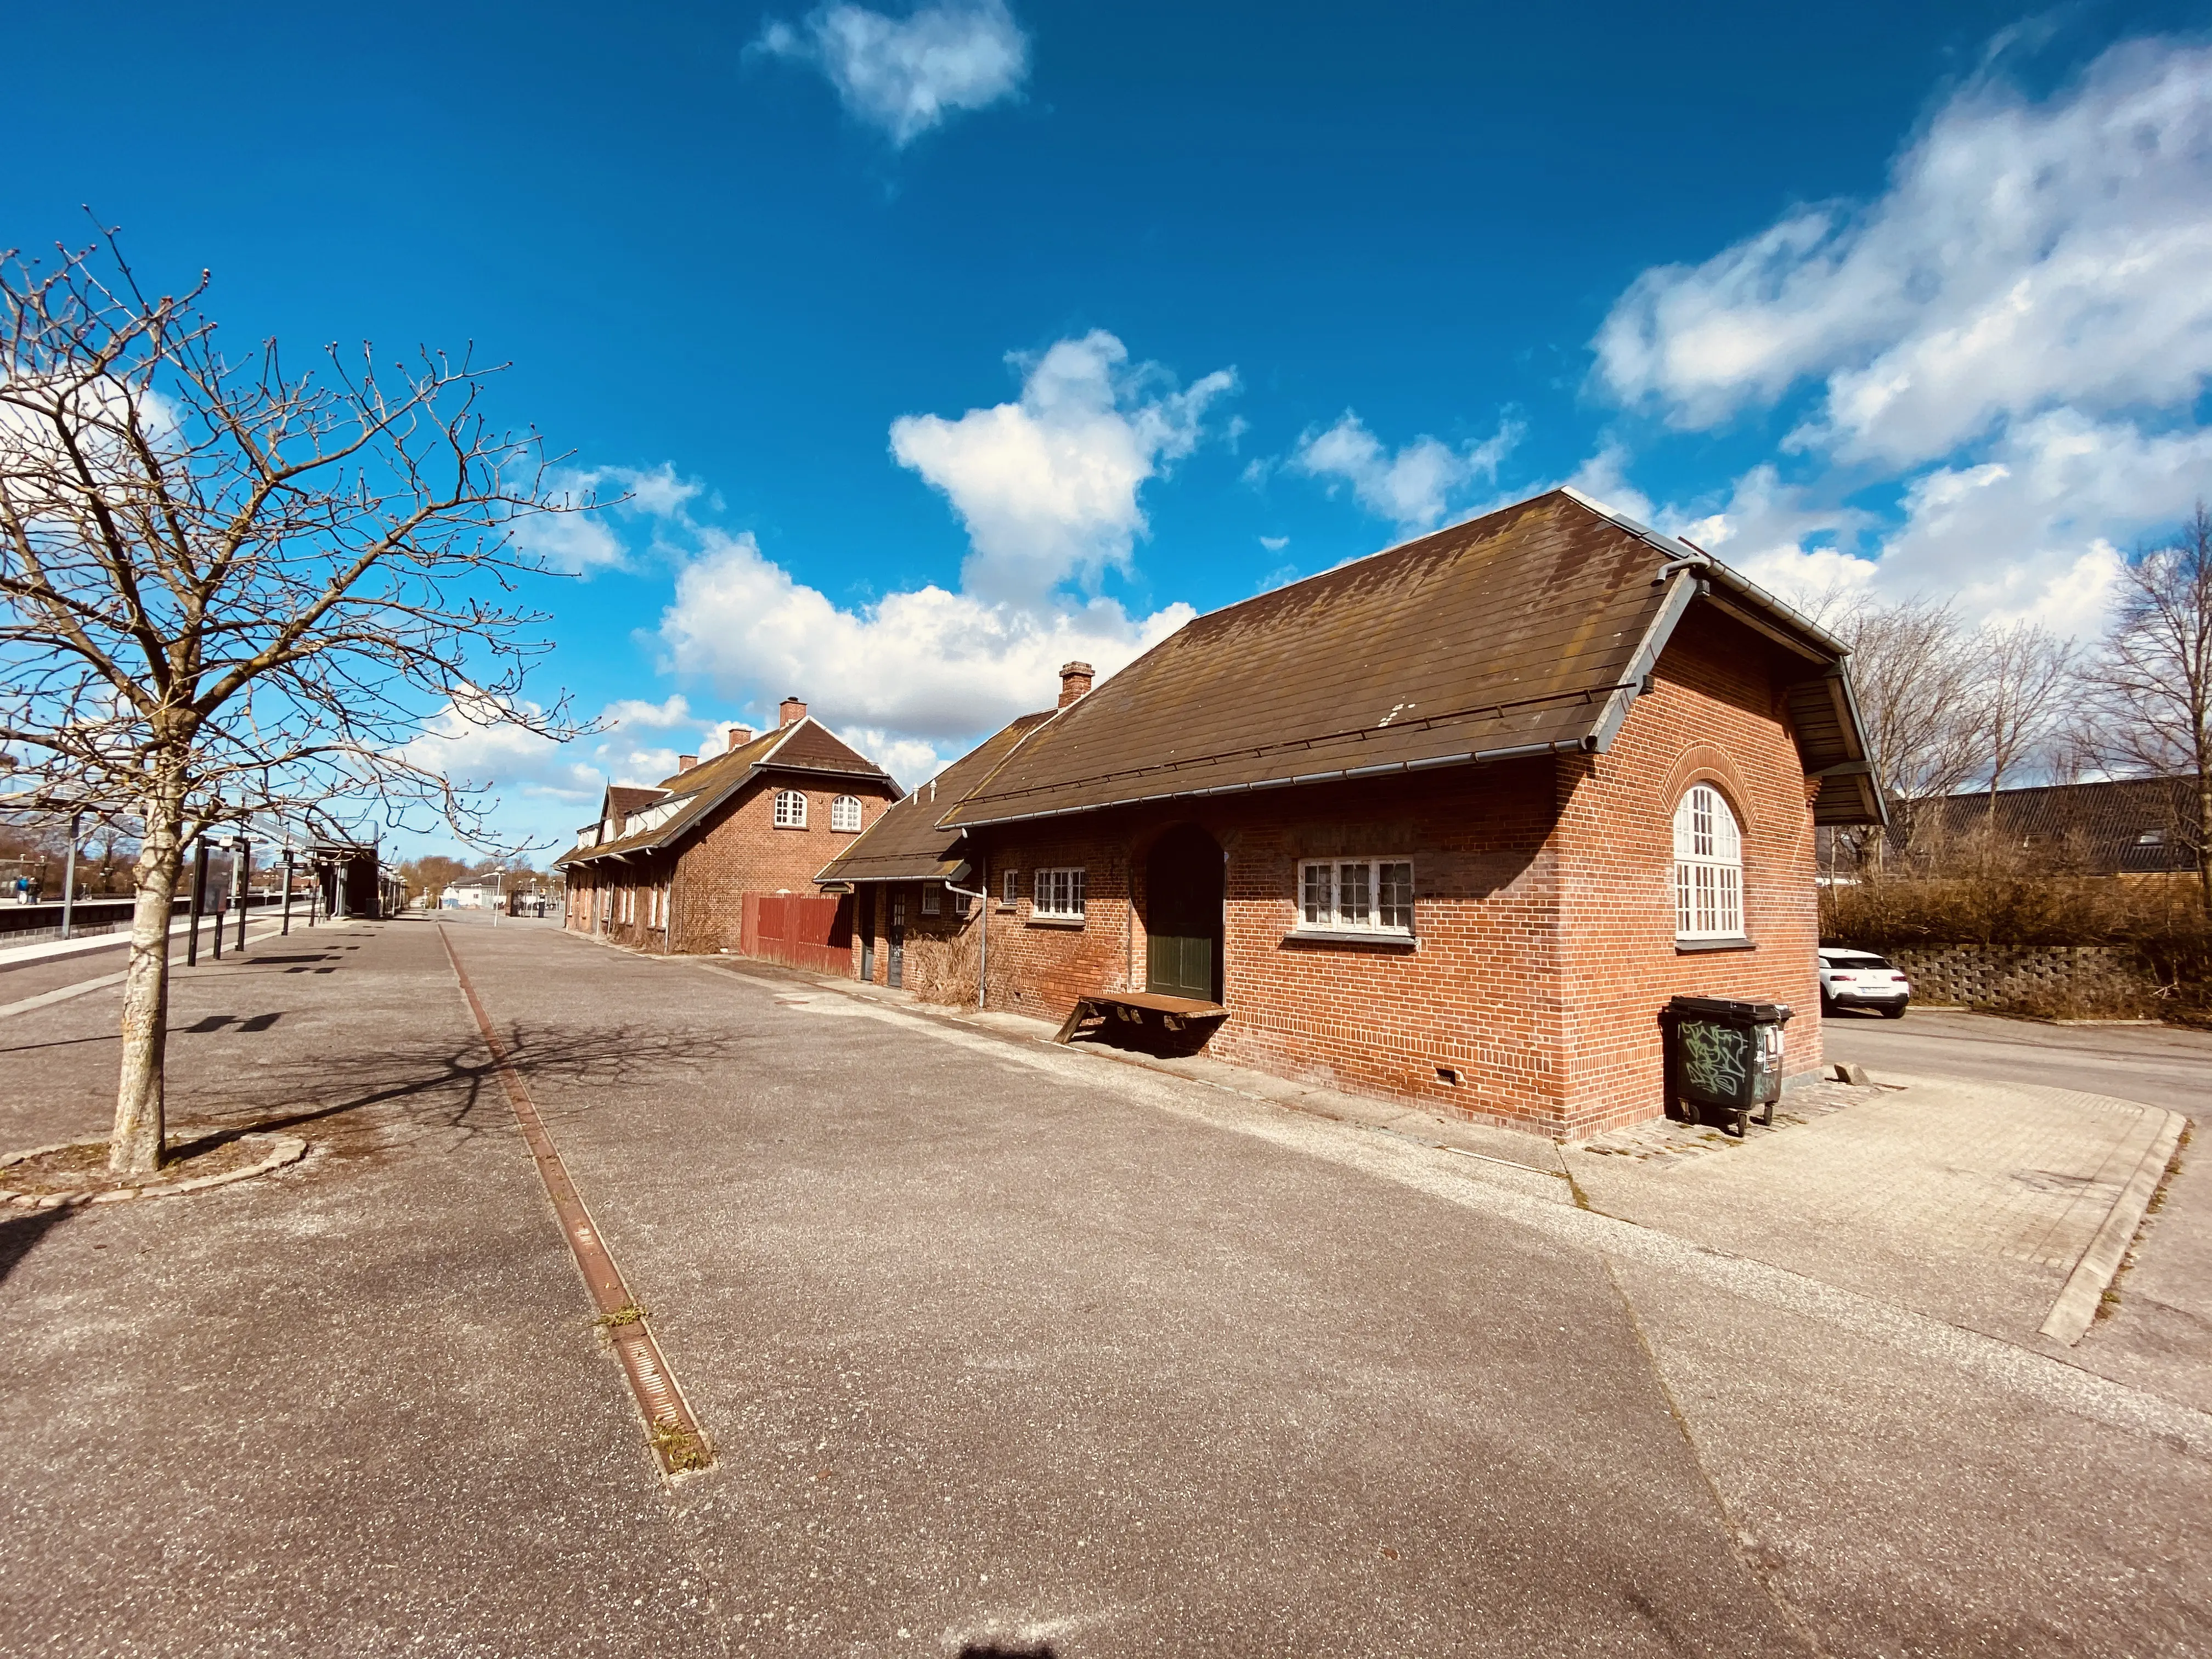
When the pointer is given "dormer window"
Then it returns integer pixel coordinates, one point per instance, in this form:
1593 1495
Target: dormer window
845 815
790 809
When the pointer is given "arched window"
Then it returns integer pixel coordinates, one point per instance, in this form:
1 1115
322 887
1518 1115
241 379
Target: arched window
1708 868
790 809
845 815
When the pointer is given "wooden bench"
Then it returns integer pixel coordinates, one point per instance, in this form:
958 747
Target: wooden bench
1175 1012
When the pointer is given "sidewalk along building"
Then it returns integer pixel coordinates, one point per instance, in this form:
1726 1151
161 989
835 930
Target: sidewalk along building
1451 822
680 868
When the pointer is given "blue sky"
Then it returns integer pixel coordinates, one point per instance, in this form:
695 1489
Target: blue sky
940 344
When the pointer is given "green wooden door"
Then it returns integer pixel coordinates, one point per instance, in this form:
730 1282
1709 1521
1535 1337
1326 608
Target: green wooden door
1182 916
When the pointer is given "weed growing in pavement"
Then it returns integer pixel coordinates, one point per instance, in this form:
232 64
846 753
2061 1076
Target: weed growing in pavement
678 1447
628 1313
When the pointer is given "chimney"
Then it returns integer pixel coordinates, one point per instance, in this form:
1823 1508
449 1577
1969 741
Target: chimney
685 763
736 737
1074 681
792 712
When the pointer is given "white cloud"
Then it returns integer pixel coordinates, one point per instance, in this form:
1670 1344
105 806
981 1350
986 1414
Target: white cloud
546 789
1413 487
584 541
1604 479
927 665
906 75
1048 486
2029 528
910 760
2026 526
2025 256
1274 544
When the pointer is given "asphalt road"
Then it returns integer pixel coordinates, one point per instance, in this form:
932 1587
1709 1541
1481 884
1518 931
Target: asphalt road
1005 1349
2158 1065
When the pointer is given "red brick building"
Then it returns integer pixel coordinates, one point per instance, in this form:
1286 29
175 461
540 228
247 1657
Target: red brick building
1452 822
668 869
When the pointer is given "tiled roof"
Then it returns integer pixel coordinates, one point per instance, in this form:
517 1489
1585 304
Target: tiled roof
806 746
1526 631
905 843
624 798
2129 826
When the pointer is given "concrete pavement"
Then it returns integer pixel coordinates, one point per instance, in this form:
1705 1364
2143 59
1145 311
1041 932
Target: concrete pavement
2159 1328
997 1344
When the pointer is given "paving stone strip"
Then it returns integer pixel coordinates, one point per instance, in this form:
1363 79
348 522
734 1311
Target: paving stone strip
677 1441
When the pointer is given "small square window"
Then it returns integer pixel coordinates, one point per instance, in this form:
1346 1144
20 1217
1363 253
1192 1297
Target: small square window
932 899
1009 888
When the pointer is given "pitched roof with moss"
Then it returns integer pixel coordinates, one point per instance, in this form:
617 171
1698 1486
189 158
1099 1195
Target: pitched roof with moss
1529 631
906 844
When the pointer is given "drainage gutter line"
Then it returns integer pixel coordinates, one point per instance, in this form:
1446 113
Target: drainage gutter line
678 1442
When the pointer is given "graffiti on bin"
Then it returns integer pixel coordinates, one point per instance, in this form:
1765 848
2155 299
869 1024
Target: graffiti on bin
1715 1060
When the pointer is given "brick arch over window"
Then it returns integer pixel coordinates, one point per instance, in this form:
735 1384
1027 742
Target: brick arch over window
1701 763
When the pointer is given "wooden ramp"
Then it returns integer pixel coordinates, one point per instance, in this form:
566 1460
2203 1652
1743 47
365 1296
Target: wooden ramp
1172 1013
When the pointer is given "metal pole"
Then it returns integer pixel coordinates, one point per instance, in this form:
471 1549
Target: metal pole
200 894
287 890
219 915
245 884
68 875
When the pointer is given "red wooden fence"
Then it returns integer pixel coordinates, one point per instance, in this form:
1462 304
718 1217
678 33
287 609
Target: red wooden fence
799 932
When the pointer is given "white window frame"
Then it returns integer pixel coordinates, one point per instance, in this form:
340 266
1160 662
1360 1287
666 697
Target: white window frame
1708 866
1372 895
629 906
1057 894
932 899
790 809
845 815
1009 888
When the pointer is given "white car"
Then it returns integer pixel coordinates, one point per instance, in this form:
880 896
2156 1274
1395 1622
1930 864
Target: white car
1859 979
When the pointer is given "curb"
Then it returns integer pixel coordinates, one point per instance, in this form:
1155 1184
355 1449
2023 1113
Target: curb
2075 1310
285 1149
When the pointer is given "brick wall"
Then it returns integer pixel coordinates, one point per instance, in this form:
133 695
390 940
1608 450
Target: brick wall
743 850
1714 716
940 960
1544 910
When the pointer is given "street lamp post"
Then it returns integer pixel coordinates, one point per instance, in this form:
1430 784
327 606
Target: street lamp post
199 897
68 874
243 881
287 890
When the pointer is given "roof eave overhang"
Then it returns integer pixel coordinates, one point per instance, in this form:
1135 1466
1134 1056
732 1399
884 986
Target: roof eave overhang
1427 763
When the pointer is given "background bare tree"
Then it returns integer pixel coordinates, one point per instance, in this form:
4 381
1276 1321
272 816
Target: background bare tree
2027 699
1917 675
2152 682
233 590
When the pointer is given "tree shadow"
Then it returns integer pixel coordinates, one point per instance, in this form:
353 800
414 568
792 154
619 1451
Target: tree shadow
1008 1650
449 1086
19 1235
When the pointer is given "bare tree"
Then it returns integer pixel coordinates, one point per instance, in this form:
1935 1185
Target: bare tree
2152 682
233 590
1917 681
2027 693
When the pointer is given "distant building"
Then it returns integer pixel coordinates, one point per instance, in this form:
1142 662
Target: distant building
671 869
2125 827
